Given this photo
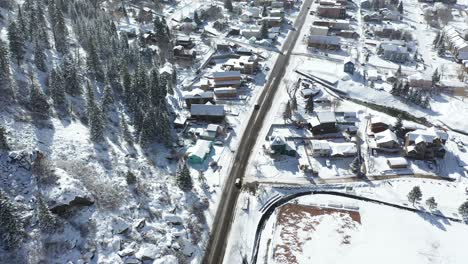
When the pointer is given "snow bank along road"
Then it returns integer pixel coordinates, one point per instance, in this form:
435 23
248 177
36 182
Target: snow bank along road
269 211
225 212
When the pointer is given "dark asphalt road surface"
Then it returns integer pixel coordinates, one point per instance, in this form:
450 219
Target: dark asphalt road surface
225 213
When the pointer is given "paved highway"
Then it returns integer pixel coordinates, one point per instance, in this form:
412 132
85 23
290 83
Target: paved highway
224 215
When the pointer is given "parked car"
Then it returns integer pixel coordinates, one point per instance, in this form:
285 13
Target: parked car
328 163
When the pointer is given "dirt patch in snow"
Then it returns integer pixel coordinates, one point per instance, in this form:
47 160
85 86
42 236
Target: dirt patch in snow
296 225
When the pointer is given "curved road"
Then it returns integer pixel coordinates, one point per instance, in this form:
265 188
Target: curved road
226 208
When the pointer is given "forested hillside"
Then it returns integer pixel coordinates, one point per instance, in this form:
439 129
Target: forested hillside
85 132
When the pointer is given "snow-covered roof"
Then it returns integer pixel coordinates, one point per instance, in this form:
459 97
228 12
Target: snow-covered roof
343 149
277 140
321 145
201 148
225 90
385 137
326 117
207 110
398 161
427 135
212 127
320 39
227 74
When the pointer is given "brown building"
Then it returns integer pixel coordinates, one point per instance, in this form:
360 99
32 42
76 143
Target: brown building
426 143
336 11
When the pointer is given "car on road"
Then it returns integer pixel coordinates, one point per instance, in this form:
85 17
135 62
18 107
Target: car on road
256 106
238 182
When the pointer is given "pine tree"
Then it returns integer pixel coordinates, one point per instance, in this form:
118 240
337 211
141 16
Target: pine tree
38 100
183 178
441 49
264 11
108 98
310 105
426 102
400 7
415 195
94 64
47 221
57 88
22 24
149 129
40 58
463 211
264 30
6 89
293 103
431 203
7 4
16 42
398 127
287 111
60 30
3 140
156 89
163 128
398 72
96 123
436 39
435 77
228 5
71 76
125 131
11 225
395 89
196 18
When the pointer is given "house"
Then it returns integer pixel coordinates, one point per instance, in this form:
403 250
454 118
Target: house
346 149
198 153
309 92
377 124
348 34
386 140
145 15
271 21
372 75
397 163
186 42
393 52
181 53
180 121
320 148
209 112
336 11
225 93
373 17
366 4
278 145
324 42
323 123
276 12
167 71
211 132
348 65
426 143
318 30
336 24
420 80
244 64
455 43
251 33
391 15
198 96
149 38
227 79
244 51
